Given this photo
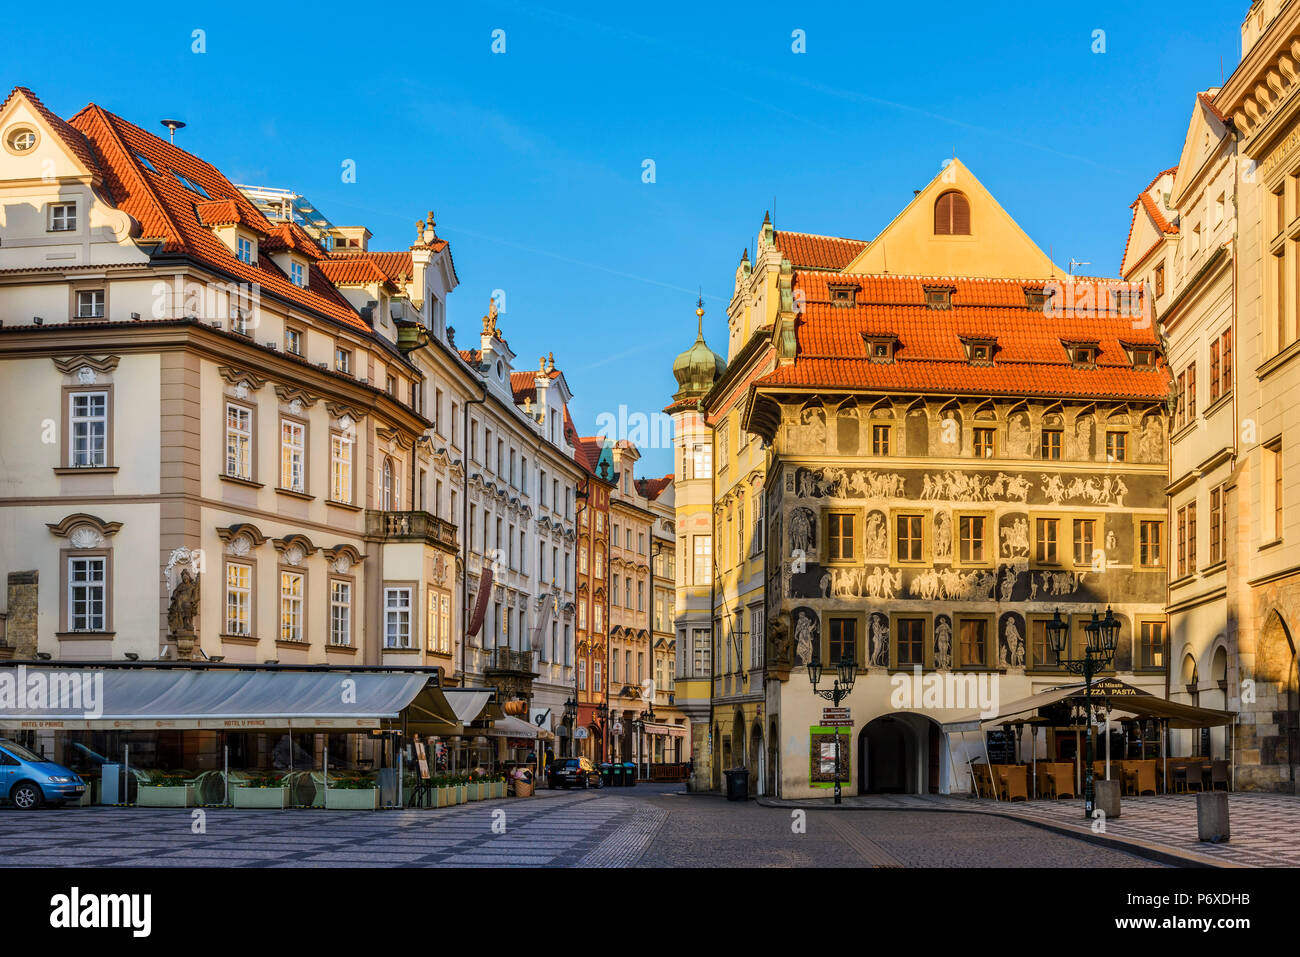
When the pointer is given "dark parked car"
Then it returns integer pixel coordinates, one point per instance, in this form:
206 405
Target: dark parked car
573 772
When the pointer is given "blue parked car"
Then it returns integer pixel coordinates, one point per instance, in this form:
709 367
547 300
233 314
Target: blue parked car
29 781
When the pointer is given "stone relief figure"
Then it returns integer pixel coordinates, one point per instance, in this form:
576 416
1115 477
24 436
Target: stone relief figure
1015 538
805 635
813 430
942 643
942 536
951 584
1083 438
1061 583
882 584
1053 488
1011 651
1018 436
1010 575
184 605
1014 486
824 586
801 530
1151 445
778 640
1111 543
832 482
879 640
805 482
876 537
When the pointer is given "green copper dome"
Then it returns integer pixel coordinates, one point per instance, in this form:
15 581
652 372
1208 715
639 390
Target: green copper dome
698 367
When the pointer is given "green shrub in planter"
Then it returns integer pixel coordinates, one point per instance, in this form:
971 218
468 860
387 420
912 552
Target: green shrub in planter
248 796
352 793
164 795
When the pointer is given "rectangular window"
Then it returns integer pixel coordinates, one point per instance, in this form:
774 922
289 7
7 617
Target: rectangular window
1047 541
340 612
1084 536
397 618
1216 364
702 652
1051 444
596 677
1151 543
1225 370
1191 392
972 635
756 635
87 593
293 448
1151 644
341 468
239 599
970 538
343 361
909 538
839 536
90 304
911 641
1116 446
1216 524
1273 476
291 595
1187 540
582 674
703 560
239 442
245 250
297 274
880 440
88 425
843 640
1040 653
702 461
293 341
63 217
985 443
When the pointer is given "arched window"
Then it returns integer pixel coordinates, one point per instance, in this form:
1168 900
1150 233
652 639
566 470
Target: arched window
387 493
952 214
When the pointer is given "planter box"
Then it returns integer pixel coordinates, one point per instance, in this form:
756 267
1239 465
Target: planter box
481 790
462 794
276 798
498 789
153 795
442 797
352 799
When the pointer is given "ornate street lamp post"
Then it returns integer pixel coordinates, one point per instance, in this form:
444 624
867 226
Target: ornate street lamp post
1103 634
846 673
570 716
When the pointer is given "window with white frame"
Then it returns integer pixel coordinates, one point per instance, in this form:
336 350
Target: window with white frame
239 441
582 673
397 617
63 217
702 652
340 612
341 468
90 303
291 596
293 341
293 455
88 429
756 636
245 250
87 593
298 274
239 599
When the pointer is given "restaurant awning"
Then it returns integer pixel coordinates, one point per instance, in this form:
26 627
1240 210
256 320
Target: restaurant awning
512 727
1125 700
208 698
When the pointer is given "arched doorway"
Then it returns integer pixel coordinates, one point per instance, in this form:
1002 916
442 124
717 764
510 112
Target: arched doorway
1276 667
900 754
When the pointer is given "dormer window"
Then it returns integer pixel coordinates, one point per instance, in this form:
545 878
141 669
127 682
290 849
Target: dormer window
1126 301
979 352
244 250
938 297
298 273
21 139
1083 355
843 294
880 348
1142 356
1037 299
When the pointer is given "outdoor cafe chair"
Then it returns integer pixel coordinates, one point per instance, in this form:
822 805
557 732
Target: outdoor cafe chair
1144 777
1060 781
1015 782
1219 775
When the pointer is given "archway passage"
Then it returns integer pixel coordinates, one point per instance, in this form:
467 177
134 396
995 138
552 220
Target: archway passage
1278 671
900 754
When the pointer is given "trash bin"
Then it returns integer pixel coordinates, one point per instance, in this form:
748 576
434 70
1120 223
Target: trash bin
737 784
607 774
629 774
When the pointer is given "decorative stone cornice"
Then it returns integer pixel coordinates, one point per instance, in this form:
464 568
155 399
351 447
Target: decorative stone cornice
246 529
71 364
77 520
235 376
289 394
332 555
339 409
286 546
395 437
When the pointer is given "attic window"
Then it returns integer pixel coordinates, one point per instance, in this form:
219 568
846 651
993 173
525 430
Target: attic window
1036 298
843 294
979 352
144 161
21 139
1083 354
1126 301
880 348
952 214
298 273
244 250
1142 357
191 185
938 297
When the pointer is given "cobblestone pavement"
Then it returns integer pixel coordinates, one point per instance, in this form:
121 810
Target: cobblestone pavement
650 825
1265 828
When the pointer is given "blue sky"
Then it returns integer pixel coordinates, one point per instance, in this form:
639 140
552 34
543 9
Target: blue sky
532 159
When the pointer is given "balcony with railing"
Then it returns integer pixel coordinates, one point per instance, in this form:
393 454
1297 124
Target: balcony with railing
417 526
510 661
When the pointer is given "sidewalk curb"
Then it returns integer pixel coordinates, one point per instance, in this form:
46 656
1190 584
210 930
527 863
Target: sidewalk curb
1160 853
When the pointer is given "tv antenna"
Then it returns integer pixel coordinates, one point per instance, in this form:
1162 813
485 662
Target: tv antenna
1075 262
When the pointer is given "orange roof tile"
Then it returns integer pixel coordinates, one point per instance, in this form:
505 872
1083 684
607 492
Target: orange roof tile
652 488
293 237
353 271
74 139
167 210
930 356
524 384
811 251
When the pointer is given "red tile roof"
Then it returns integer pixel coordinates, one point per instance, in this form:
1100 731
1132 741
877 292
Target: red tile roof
74 139
168 211
930 357
524 384
353 271
293 237
810 251
1207 100
1157 217
652 488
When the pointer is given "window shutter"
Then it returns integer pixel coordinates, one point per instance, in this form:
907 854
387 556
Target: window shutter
943 215
952 215
960 215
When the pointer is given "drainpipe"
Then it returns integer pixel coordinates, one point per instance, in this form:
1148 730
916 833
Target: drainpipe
466 532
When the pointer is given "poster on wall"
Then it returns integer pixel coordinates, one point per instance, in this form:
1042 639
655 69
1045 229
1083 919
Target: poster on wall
821 752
